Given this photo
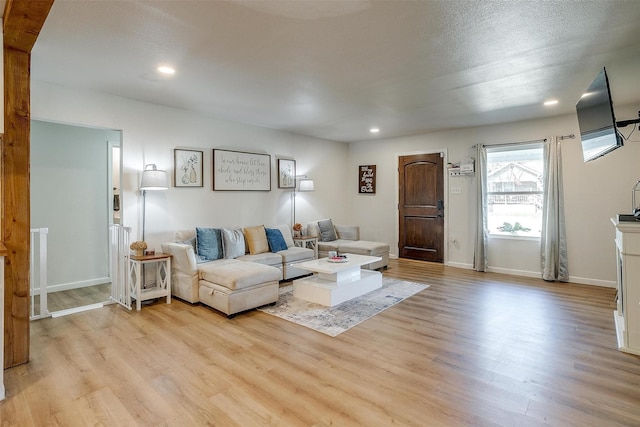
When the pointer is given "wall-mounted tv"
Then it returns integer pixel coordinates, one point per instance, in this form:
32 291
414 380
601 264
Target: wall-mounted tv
596 120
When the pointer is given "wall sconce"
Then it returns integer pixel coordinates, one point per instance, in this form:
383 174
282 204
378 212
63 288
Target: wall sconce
152 179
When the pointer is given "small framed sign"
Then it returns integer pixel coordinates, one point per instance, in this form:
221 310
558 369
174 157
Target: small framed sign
367 179
286 173
187 168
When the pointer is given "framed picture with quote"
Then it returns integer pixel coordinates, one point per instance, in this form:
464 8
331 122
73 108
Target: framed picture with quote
286 173
367 179
241 171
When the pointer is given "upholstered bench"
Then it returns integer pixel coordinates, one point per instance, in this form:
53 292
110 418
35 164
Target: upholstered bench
232 286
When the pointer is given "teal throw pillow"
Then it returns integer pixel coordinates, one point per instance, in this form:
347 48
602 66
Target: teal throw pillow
209 243
276 240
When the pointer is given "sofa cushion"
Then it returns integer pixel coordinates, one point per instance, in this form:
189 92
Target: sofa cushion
191 241
333 245
182 235
296 254
233 243
209 243
286 233
327 232
256 239
275 239
364 247
267 258
313 230
234 274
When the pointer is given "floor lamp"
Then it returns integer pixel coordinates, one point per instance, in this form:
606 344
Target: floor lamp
152 179
306 184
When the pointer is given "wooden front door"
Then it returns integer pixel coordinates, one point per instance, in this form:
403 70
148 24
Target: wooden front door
421 186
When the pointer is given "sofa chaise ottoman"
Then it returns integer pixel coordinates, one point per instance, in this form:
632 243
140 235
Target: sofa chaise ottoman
232 286
345 239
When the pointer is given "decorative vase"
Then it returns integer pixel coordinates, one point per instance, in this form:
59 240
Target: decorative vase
138 252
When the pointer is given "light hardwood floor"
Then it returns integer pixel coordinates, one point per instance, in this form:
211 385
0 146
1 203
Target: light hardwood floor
474 349
73 298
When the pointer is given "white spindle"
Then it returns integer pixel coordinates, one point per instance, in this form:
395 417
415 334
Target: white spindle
120 292
38 265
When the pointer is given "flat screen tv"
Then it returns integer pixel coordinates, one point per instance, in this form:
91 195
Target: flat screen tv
596 120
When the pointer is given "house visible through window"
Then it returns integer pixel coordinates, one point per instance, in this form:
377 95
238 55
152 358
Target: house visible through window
515 190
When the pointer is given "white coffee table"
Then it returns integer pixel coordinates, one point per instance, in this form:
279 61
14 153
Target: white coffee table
334 282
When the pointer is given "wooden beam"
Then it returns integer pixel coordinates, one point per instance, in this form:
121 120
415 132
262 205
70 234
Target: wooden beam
23 20
16 206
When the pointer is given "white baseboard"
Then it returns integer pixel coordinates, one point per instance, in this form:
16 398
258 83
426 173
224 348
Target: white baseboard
73 310
525 273
460 265
534 274
592 282
73 285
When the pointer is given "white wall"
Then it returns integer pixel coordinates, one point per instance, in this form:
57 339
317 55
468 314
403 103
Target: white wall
151 132
594 192
70 197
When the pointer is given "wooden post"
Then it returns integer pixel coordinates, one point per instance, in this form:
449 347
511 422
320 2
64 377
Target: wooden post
23 20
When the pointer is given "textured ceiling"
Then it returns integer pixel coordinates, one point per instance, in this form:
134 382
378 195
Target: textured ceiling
333 69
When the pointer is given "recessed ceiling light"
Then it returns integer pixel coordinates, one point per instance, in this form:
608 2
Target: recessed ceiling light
374 130
551 102
166 70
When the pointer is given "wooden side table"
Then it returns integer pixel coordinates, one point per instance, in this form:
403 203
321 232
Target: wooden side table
162 287
307 242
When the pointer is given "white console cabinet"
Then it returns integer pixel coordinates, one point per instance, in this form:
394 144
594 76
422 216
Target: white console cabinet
627 315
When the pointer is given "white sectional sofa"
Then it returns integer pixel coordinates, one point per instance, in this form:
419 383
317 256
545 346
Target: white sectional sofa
345 239
239 273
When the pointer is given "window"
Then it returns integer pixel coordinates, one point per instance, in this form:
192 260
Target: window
515 190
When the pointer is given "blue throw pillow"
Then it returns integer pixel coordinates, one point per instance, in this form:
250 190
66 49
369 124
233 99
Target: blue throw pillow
209 243
276 240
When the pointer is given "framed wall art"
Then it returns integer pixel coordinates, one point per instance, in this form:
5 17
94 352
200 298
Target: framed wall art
240 171
187 168
367 179
286 173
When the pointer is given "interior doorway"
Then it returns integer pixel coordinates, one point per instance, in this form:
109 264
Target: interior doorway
421 207
75 178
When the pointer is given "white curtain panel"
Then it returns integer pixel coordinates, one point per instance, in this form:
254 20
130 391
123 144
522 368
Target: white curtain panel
480 253
553 242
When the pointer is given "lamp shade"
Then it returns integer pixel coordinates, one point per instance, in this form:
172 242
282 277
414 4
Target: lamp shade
154 179
307 185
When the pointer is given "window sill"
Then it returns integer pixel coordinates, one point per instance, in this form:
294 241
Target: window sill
513 236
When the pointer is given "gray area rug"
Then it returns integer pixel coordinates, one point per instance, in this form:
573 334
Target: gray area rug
335 320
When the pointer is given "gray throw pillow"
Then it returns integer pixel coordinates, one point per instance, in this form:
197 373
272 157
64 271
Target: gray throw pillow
327 232
233 243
